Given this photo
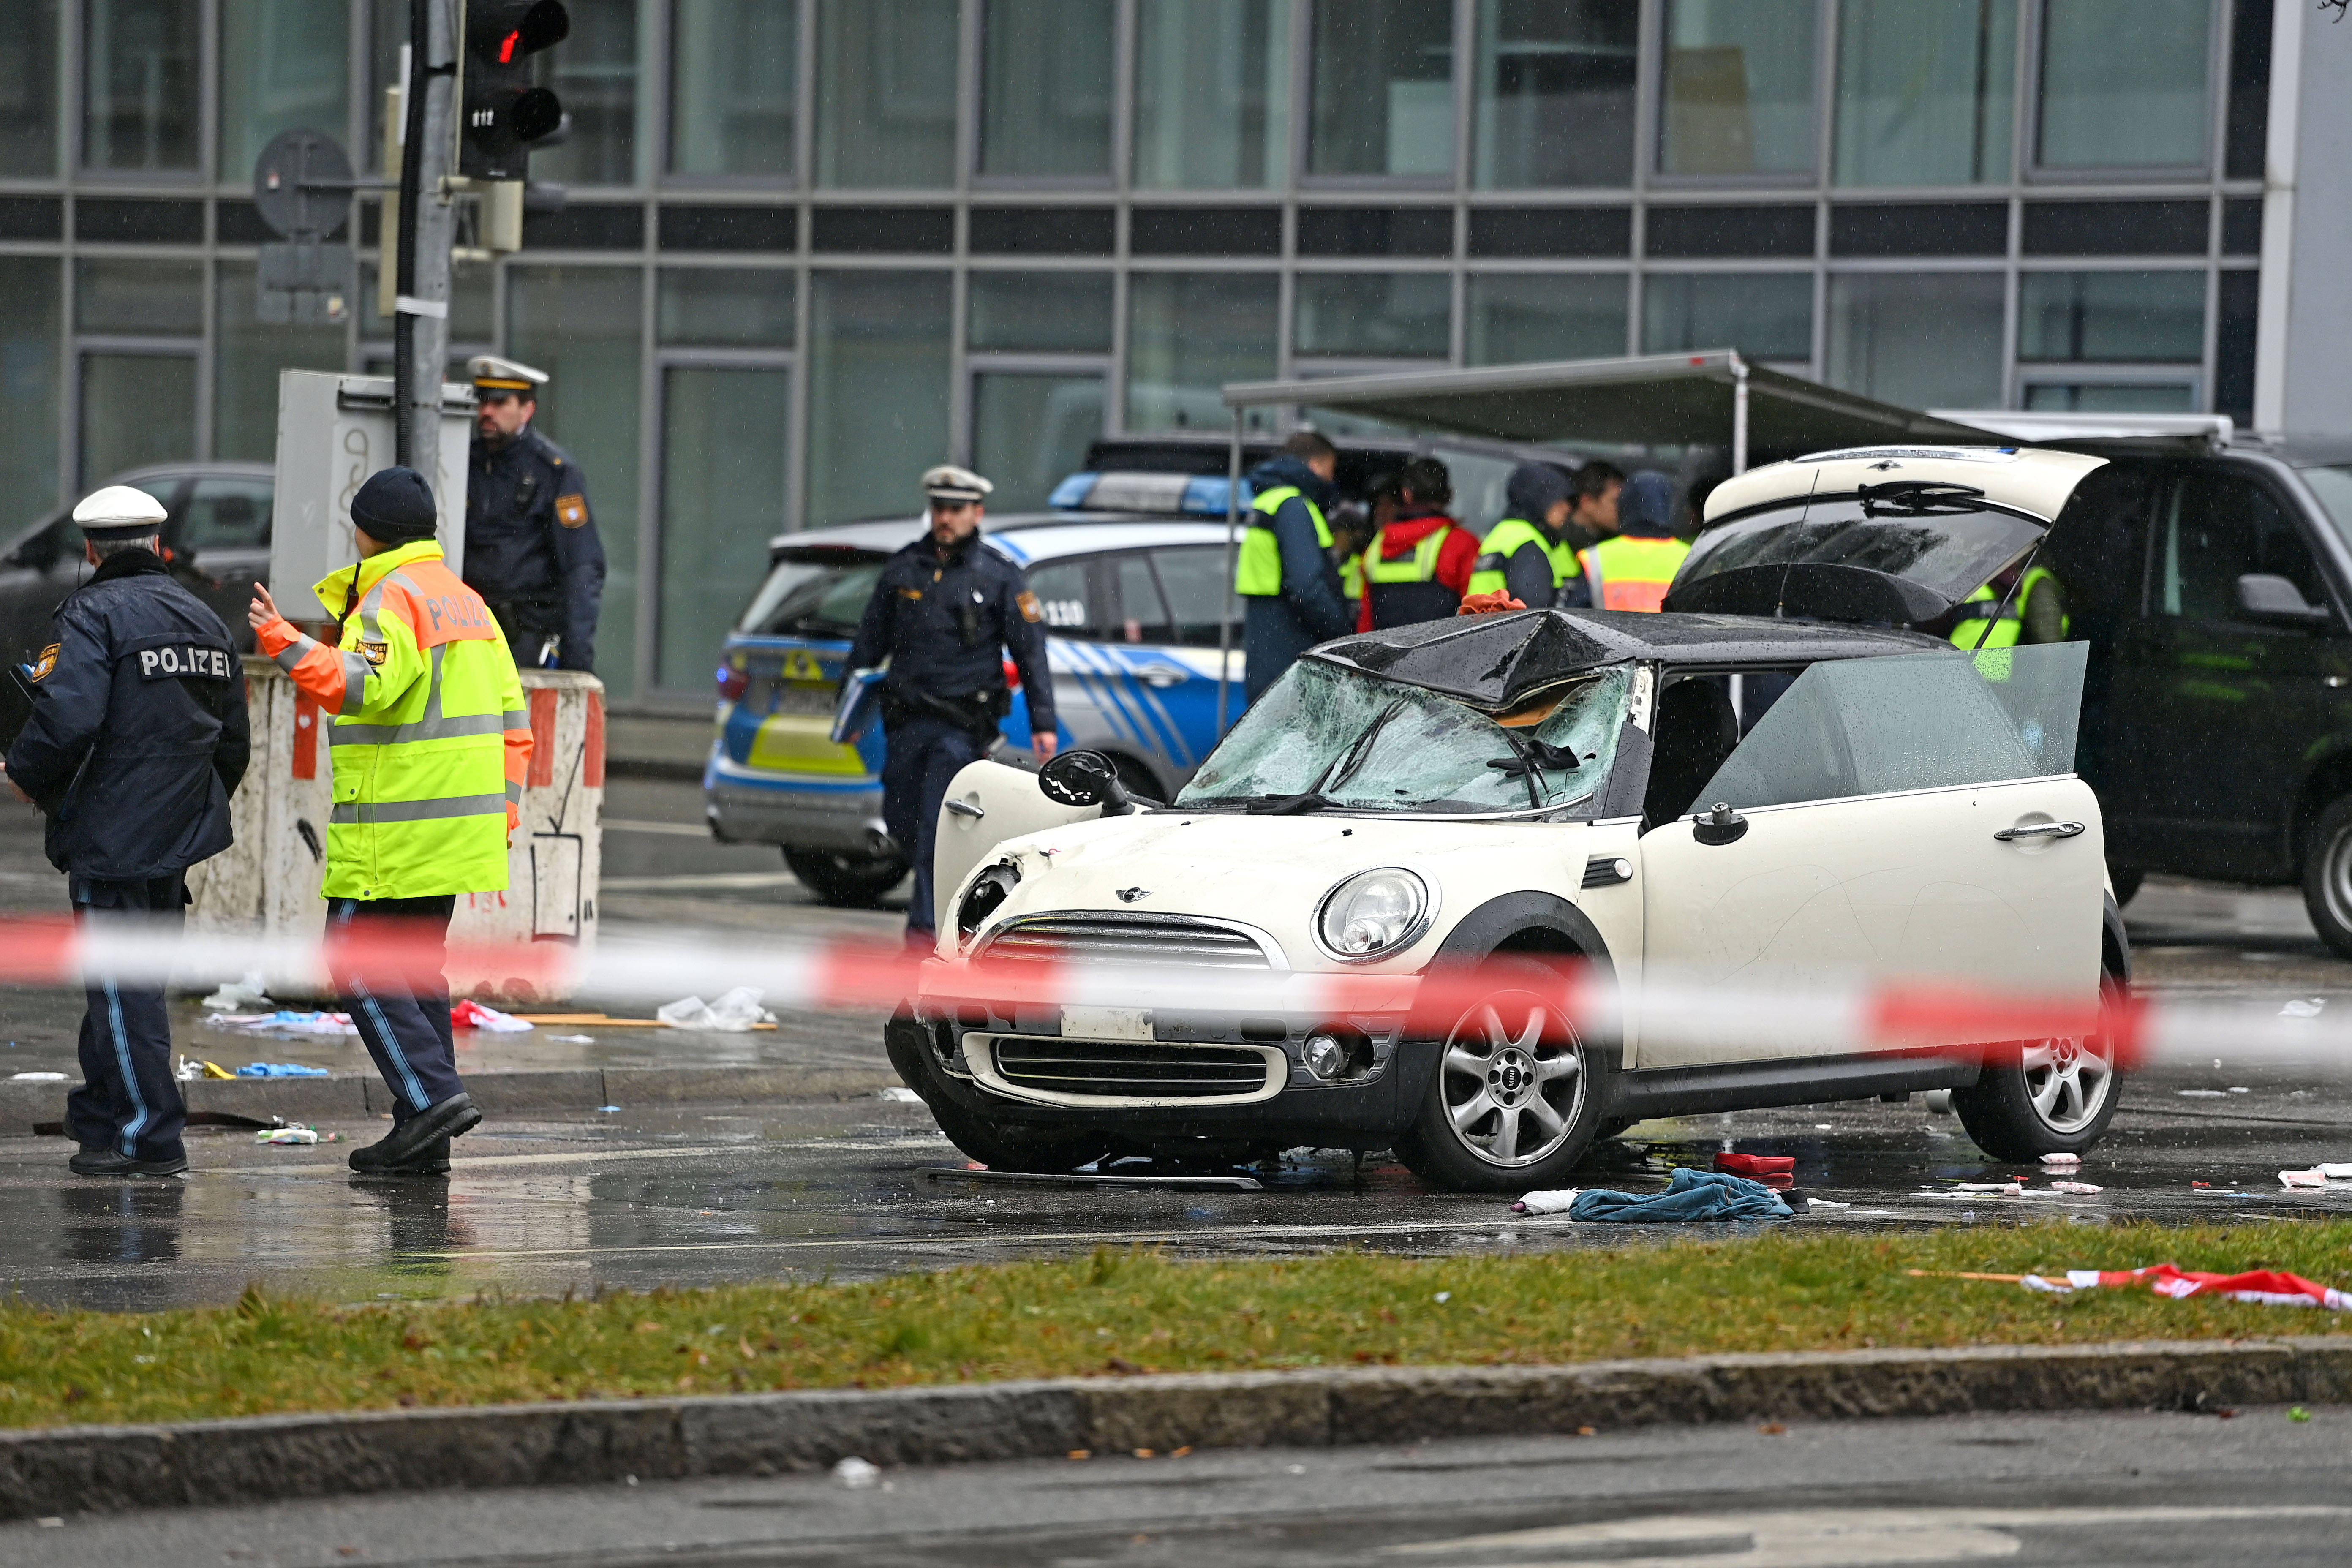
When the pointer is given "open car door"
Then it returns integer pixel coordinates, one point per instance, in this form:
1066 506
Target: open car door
986 803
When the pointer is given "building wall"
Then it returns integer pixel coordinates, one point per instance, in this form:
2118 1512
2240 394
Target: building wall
814 246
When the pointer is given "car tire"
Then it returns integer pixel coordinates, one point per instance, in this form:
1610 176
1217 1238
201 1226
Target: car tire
2125 881
2327 876
998 1148
845 881
1516 1096
2031 1097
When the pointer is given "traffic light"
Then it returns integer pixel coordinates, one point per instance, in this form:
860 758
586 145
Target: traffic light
503 112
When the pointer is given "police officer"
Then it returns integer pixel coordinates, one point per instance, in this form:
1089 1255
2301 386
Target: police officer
137 739
531 549
1528 552
1283 573
944 613
2036 614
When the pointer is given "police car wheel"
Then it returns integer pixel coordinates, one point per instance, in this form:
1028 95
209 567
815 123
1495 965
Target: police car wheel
2044 1097
1515 1098
2327 876
845 881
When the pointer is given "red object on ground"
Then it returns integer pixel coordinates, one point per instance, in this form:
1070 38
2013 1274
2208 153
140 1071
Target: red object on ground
1757 1164
2264 1286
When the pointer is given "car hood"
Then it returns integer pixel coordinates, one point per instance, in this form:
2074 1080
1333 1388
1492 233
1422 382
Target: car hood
1893 534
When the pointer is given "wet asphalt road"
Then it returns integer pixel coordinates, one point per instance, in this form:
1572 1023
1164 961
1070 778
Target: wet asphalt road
640 1197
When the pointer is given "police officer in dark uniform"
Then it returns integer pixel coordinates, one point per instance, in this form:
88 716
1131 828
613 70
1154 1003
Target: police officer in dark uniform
137 739
531 549
945 611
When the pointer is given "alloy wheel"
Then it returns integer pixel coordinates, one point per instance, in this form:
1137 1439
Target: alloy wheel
2069 1079
1513 1080
2337 878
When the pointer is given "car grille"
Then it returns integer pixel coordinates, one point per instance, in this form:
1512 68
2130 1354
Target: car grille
1137 1069
1129 939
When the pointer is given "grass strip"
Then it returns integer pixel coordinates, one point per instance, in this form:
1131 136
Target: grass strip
1125 1311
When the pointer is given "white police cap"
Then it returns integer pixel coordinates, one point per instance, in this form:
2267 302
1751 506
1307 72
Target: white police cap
949 483
492 374
120 510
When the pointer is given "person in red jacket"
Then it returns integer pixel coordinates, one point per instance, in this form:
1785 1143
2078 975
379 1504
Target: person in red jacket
1418 567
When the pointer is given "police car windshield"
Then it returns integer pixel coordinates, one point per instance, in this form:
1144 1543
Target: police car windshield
1425 753
818 594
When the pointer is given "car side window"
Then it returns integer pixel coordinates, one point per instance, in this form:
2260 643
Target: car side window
2215 527
1065 597
1194 578
1143 619
228 514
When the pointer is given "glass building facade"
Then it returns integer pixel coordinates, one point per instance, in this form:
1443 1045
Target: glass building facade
812 247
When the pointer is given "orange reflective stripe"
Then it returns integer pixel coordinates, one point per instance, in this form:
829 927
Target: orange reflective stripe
318 670
1633 595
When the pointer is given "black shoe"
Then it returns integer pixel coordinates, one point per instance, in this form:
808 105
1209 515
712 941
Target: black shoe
107 1162
415 1139
433 1159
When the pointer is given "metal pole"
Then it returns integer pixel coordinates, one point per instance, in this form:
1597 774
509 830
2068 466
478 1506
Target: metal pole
1739 414
1233 527
421 306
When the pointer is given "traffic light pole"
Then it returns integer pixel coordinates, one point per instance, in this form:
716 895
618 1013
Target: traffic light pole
427 228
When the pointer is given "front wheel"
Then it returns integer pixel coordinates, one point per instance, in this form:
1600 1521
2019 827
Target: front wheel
845 881
1516 1099
2327 876
2044 1097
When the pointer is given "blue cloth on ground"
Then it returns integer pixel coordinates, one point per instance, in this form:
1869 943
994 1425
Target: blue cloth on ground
1690 1195
279 1069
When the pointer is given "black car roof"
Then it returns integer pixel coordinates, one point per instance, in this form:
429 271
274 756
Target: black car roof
1495 662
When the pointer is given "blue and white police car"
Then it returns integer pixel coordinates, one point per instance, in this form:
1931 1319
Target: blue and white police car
1130 572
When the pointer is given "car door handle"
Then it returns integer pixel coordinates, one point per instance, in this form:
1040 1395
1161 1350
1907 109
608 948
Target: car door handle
1161 675
2040 830
966 808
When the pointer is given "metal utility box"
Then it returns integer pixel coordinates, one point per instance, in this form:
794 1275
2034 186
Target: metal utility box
333 431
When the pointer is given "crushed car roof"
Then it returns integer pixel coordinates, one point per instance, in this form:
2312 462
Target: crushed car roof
1496 662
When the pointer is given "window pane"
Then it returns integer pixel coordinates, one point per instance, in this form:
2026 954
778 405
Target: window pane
248 355
140 84
886 93
1764 315
1738 87
1197 585
1373 313
594 72
1143 619
28 89
580 324
1925 341
227 514
1067 312
878 391
143 298
284 66
2217 528
1924 93
1187 336
721 305
723 493
1065 597
2118 316
1044 93
1384 98
2124 83
30 312
2111 397
1211 93
1029 431
135 409
1520 317
1555 93
734 70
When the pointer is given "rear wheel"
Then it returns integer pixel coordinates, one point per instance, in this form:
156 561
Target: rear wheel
2043 1097
1516 1099
2327 876
845 881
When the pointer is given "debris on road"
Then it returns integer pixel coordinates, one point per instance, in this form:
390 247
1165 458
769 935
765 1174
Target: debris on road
2062 1159
2076 1189
857 1473
280 1069
36 1078
2301 1008
1756 1165
2302 1179
898 1094
469 1014
285 1021
733 1014
1555 1201
292 1135
2203 1093
1690 1196
237 995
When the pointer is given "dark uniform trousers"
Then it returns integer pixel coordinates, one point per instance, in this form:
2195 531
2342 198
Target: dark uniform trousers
406 1025
129 1103
924 754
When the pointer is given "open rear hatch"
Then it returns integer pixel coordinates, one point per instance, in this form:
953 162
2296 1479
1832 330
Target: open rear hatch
1890 534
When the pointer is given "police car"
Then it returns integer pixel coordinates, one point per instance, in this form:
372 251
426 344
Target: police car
1129 576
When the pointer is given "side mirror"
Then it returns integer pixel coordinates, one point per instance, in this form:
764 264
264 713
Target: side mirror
1083 778
2271 601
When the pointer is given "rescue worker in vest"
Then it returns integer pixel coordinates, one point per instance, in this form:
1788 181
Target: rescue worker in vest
430 746
1283 573
1418 567
1633 570
532 548
136 741
2036 614
1528 553
944 613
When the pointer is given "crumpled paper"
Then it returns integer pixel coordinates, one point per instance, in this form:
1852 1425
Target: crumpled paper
733 1014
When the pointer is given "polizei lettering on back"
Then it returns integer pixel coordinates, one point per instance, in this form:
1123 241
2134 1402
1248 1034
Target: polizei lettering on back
187 660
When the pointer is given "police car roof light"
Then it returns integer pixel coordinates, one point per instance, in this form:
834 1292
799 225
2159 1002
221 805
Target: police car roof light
1071 492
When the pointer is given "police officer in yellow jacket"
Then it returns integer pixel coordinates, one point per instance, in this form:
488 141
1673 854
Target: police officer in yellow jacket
430 745
2036 614
1528 553
1633 568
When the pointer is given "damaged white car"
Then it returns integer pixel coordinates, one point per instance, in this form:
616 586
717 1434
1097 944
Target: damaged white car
1777 783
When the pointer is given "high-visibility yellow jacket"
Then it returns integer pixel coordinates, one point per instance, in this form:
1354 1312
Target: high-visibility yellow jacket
1632 572
430 741
1258 571
2007 621
1506 539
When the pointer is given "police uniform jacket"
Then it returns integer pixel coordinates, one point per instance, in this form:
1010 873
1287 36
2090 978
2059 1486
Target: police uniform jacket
138 733
941 624
532 546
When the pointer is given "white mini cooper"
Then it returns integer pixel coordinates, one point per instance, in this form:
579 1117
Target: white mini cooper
1780 781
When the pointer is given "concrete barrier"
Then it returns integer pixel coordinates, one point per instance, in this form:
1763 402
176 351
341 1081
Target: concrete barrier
268 883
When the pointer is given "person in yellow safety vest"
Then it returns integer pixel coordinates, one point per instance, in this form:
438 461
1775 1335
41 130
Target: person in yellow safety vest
1418 567
1283 571
2037 615
1633 570
430 745
1528 554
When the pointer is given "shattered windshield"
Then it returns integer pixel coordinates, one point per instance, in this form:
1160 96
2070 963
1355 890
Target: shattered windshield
1324 737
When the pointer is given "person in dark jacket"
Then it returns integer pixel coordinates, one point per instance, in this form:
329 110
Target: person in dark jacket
137 739
532 548
945 611
1284 572
1529 552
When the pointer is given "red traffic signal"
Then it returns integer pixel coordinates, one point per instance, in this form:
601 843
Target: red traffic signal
503 112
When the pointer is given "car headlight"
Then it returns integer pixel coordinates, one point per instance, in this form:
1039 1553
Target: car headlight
986 897
1373 913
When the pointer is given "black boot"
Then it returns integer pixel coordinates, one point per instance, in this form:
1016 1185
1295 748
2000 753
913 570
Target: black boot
420 1145
109 1162
433 1159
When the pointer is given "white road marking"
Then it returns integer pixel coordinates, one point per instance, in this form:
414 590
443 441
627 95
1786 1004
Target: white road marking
686 881
671 829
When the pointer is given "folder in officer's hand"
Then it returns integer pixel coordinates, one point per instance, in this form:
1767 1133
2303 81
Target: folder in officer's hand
861 698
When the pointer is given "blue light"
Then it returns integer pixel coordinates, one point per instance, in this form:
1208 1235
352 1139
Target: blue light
1071 492
1205 497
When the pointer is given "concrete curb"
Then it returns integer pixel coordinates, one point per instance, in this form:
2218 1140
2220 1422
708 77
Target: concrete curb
111 1468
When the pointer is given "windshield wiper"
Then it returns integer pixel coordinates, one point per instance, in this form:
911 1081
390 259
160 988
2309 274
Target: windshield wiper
1531 756
1341 769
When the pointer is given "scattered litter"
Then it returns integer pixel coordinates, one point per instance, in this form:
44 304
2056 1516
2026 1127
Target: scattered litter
1555 1201
2261 1287
1690 1195
2299 1008
1825 1203
279 1069
287 1136
2078 1189
574 1039
2333 1172
2201 1093
36 1078
2302 1178
2236 1089
1756 1165
2062 1159
733 1014
237 995
1824 1126
2294 1413
898 1094
855 1473
286 1022
608 1110
1442 1297
471 1015
2005 1189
